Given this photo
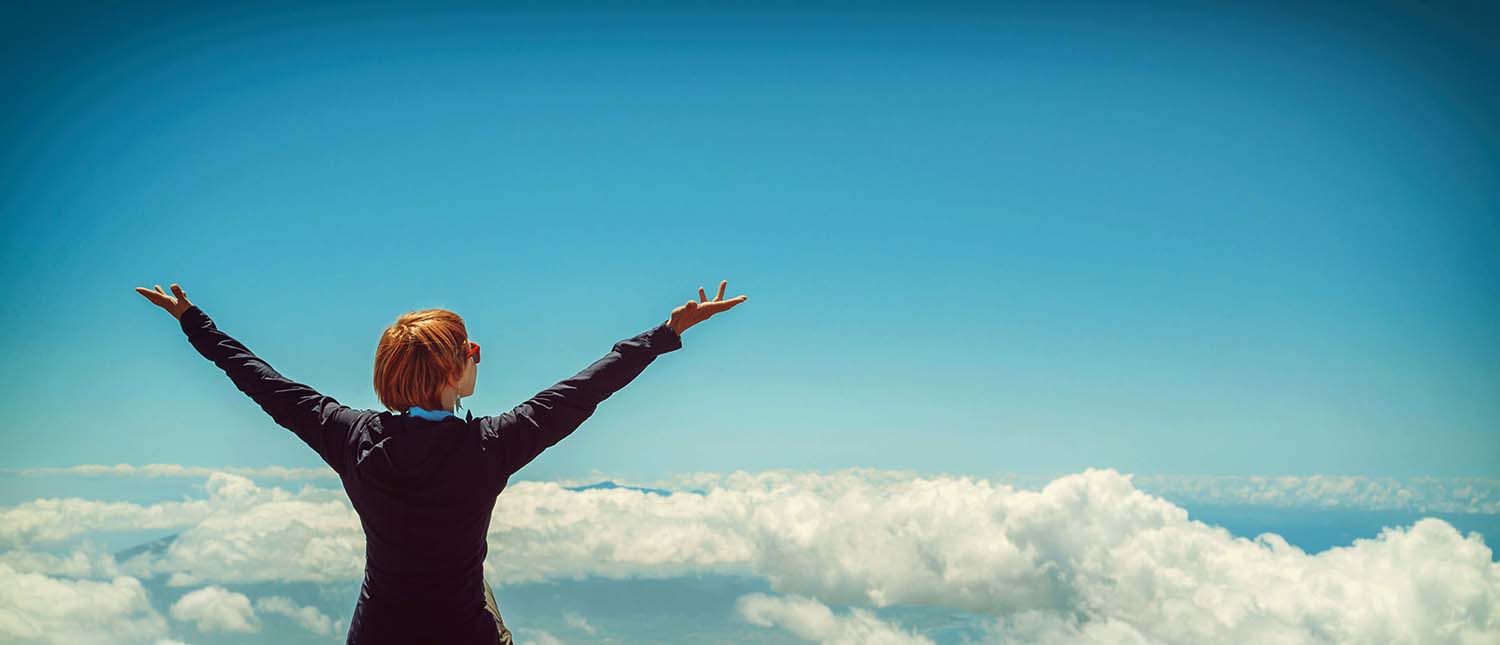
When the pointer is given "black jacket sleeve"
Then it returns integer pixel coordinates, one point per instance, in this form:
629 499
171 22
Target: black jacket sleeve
516 437
321 422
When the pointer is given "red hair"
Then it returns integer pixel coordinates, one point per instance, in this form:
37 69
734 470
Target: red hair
419 354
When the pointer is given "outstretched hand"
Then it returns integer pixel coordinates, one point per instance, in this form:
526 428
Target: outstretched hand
697 311
174 304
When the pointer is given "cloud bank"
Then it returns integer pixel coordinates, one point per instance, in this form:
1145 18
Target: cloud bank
308 617
811 620
215 609
35 608
1345 492
1329 492
1089 557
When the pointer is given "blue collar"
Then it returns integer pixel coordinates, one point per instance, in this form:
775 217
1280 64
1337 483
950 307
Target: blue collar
430 415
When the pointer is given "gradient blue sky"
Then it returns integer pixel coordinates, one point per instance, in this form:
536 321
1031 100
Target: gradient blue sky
1175 237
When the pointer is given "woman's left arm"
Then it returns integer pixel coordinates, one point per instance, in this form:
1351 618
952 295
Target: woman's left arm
320 421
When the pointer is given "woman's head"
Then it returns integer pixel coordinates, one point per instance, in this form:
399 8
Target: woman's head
423 360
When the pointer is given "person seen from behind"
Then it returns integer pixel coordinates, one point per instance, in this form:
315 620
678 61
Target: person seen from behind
422 480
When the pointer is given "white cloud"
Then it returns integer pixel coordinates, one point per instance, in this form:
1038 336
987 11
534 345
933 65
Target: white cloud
525 636
35 608
308 617
812 620
83 561
53 520
1350 492
577 621
290 540
1347 492
216 609
241 533
1087 557
1048 628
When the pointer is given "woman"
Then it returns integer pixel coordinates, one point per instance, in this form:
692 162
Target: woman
422 480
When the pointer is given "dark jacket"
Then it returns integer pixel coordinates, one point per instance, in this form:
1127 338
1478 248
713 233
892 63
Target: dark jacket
424 490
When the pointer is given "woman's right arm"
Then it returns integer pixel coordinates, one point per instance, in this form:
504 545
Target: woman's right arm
516 437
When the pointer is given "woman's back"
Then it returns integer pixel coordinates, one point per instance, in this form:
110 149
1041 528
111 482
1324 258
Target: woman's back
424 492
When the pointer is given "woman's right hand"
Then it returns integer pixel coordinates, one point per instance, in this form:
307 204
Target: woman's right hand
697 311
175 304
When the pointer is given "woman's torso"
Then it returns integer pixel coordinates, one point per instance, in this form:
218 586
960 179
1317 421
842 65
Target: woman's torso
424 494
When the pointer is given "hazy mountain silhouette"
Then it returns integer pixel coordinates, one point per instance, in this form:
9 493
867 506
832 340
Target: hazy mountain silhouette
609 485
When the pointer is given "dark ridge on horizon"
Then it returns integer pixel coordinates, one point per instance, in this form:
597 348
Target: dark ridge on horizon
610 485
154 547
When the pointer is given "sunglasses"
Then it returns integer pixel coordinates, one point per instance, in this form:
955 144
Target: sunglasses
473 352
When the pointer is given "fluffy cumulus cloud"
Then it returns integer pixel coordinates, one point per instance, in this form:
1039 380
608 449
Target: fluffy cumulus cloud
1345 492
313 537
53 520
36 608
578 622
242 532
216 609
308 617
84 561
524 636
1087 557
812 620
1311 492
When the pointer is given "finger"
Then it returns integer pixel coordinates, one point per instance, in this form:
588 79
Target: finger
178 291
154 297
719 305
701 295
158 290
722 284
730 303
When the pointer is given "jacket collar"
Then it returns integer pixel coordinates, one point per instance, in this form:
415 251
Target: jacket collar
430 415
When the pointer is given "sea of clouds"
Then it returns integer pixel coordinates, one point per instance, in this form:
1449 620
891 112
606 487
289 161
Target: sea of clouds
1087 557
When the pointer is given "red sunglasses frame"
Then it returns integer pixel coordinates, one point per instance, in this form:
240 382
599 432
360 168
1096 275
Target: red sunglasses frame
472 352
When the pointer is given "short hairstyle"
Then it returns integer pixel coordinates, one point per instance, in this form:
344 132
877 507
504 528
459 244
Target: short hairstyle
418 354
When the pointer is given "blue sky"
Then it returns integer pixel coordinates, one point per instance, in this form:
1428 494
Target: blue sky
1170 238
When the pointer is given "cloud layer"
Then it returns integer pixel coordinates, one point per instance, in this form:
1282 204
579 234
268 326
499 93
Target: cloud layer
215 609
811 620
1344 492
1089 557
35 608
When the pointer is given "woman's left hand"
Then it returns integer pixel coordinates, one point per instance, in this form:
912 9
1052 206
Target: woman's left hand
174 305
696 311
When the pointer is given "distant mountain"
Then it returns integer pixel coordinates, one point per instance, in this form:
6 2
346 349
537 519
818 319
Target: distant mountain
154 547
609 485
